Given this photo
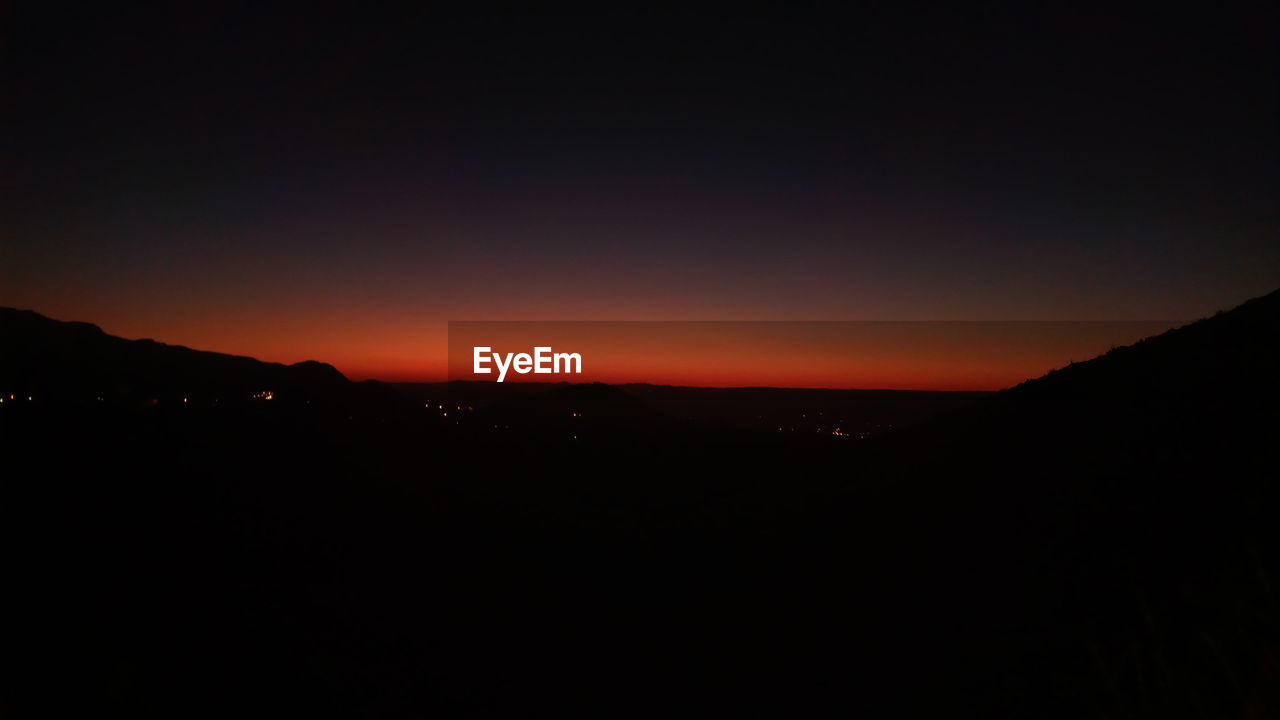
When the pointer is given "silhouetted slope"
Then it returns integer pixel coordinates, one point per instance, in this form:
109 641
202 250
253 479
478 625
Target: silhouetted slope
1183 392
78 362
1218 370
1105 534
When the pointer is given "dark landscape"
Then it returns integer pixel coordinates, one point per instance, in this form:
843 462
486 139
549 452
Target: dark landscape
891 360
196 534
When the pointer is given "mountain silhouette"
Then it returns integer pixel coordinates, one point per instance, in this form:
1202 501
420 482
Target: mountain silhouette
1212 372
76 361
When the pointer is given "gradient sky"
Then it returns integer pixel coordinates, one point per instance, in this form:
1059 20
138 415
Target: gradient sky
338 184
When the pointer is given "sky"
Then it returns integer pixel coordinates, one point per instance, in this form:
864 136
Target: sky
304 182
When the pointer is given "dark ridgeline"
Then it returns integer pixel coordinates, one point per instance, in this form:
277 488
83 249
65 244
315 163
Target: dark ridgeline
1097 542
71 363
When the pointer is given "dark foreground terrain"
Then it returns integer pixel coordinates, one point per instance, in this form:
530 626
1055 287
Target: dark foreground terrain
1099 542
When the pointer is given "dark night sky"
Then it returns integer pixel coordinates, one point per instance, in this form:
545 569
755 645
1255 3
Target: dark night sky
339 183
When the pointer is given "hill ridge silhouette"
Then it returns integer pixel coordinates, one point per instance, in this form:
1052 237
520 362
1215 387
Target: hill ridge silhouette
1262 312
72 360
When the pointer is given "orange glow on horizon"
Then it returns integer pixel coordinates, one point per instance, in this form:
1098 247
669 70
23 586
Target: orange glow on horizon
840 355
407 347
